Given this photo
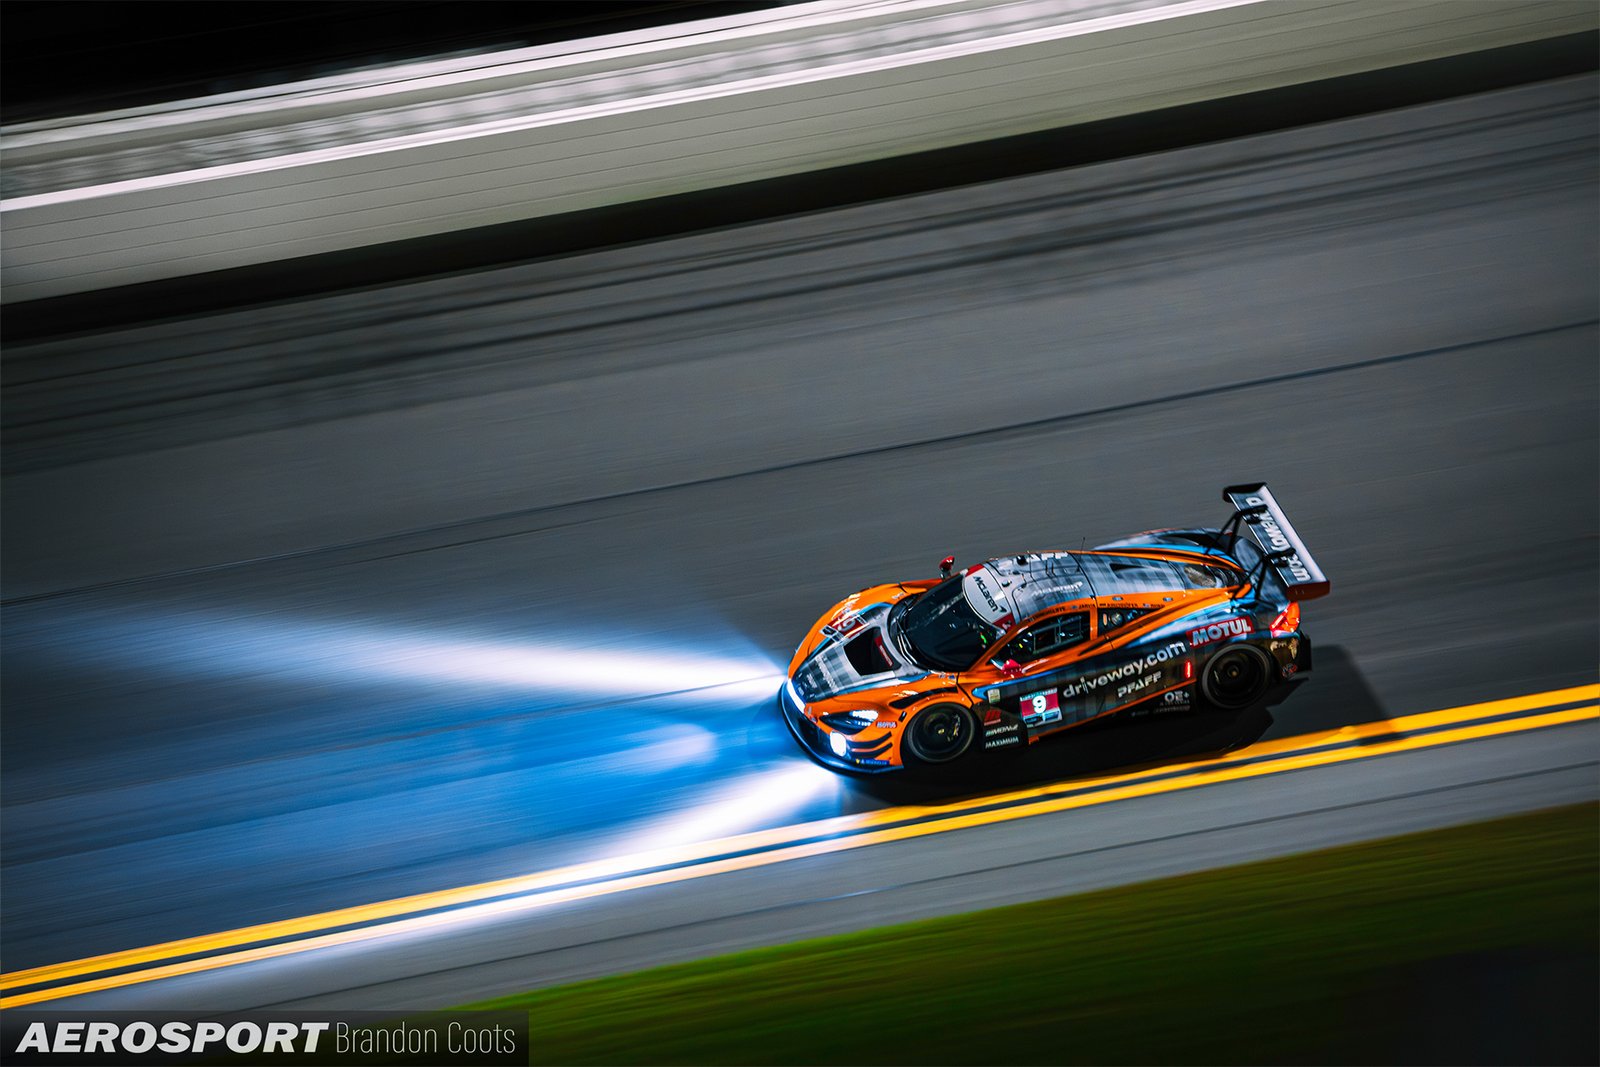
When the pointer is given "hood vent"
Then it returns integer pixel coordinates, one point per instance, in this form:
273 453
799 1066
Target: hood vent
867 654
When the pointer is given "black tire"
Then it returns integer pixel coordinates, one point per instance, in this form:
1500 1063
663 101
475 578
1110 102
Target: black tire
940 734
1237 677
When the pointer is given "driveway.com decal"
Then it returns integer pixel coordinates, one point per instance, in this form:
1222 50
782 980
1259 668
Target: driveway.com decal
1128 670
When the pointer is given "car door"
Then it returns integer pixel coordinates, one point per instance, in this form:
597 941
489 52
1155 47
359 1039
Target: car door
1020 675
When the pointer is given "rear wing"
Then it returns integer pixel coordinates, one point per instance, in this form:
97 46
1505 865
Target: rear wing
1255 509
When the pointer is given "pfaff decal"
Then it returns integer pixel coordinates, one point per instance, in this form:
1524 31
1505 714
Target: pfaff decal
1143 683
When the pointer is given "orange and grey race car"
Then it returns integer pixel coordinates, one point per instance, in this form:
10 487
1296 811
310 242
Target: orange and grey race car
1003 653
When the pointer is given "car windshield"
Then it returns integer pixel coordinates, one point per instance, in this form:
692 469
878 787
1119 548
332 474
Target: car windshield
943 631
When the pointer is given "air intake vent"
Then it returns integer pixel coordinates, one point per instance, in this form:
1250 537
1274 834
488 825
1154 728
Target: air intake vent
867 654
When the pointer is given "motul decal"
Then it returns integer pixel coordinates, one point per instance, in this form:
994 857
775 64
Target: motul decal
1219 631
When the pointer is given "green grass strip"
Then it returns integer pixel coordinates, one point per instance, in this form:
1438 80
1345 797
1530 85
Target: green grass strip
1470 945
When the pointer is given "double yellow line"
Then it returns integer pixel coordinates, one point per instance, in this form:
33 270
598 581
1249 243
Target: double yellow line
424 911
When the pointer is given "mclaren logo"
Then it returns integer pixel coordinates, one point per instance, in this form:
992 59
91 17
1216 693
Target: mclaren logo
983 590
985 597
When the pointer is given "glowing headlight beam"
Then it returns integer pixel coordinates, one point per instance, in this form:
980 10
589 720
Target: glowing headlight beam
216 644
747 804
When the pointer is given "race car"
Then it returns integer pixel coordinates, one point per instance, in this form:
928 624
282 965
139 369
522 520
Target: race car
927 674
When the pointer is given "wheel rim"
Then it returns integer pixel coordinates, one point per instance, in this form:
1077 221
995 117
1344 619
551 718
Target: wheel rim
1236 677
940 733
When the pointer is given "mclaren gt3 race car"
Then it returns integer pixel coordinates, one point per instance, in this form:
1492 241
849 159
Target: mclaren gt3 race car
928 673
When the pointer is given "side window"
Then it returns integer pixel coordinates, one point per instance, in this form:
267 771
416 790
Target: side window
1047 638
1116 618
1136 575
1206 576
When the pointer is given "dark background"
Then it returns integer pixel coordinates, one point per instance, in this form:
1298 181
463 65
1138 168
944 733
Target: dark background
64 58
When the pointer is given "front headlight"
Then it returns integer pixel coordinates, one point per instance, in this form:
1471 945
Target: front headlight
850 722
839 745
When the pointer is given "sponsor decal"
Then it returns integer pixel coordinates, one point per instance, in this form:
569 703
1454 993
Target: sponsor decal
1041 708
983 592
843 626
1143 683
1008 728
1219 631
999 742
1178 698
1276 541
1091 684
1290 668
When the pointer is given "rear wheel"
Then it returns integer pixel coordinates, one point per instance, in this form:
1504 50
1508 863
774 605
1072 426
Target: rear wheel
940 733
1236 677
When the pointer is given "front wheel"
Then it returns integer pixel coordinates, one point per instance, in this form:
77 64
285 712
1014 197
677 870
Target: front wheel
940 733
1236 677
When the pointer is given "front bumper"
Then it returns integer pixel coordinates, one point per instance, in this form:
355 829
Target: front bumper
814 739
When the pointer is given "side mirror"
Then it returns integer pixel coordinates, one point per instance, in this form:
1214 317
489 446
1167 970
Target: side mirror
1011 668
945 565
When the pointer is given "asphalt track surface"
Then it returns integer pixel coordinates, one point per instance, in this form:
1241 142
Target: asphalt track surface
280 645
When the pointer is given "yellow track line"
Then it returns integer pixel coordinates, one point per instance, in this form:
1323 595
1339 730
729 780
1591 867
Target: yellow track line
443 898
1202 777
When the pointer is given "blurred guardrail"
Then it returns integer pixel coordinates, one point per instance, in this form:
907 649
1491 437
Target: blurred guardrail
364 159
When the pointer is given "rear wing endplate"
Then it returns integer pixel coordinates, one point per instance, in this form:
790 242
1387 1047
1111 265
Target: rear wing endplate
1255 509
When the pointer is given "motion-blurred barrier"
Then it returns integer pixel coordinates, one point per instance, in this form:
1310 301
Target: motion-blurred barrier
365 159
